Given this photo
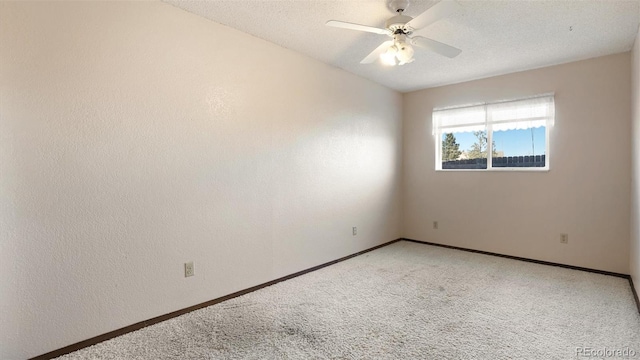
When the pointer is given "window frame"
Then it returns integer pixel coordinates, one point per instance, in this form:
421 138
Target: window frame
438 132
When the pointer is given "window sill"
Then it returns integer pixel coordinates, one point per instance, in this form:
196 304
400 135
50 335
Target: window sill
532 169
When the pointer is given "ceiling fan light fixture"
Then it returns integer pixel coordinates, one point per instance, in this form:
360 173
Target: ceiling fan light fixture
404 53
389 57
399 53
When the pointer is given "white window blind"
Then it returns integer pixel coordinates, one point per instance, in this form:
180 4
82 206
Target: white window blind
508 115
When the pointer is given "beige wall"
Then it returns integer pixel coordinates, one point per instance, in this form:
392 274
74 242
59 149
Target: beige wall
634 253
585 194
136 137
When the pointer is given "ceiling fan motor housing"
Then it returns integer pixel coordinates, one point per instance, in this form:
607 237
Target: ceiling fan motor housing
397 24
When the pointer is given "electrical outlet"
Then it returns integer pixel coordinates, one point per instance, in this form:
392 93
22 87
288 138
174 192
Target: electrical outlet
564 238
435 225
355 231
189 270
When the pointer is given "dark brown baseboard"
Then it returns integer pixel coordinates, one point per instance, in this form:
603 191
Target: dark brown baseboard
155 320
635 293
602 272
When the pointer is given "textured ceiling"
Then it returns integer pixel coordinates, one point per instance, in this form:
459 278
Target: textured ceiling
496 37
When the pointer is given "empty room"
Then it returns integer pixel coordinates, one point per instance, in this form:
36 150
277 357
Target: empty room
319 179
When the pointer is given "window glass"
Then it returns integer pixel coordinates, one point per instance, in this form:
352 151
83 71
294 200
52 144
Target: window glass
520 148
464 150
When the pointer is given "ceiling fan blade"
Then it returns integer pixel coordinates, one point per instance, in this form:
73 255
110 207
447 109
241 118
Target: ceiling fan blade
350 26
440 10
376 53
435 46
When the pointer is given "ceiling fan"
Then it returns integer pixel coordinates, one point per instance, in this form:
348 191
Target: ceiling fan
399 50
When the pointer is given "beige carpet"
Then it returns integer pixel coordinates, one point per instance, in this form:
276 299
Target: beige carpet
405 301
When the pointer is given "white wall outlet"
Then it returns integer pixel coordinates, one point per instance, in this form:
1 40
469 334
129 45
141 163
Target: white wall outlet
435 225
564 238
354 230
189 270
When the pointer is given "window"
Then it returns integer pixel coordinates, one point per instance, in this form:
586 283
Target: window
508 135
